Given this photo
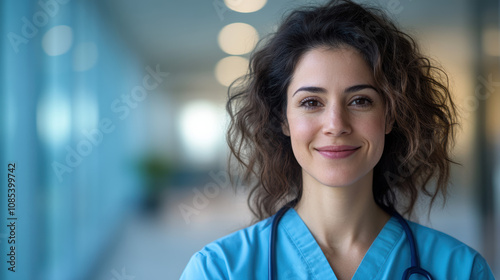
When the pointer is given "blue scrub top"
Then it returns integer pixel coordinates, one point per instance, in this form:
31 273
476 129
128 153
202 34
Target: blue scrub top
244 254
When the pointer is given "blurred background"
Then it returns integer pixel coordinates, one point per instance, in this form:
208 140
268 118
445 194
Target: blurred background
113 113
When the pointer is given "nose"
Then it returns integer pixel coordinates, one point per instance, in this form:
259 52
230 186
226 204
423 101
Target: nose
336 121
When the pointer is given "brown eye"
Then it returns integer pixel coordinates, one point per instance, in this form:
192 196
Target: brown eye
312 103
361 102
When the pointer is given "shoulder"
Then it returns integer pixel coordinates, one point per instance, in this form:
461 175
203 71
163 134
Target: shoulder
436 237
453 254
220 258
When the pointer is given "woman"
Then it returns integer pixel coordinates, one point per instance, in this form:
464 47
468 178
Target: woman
342 120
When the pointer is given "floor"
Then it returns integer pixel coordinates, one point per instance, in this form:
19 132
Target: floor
159 247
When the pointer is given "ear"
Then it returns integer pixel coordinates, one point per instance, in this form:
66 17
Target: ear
284 128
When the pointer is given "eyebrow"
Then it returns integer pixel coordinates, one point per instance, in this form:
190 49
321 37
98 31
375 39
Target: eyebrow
350 89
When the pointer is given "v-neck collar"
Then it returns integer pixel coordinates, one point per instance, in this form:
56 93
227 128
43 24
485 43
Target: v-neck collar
315 259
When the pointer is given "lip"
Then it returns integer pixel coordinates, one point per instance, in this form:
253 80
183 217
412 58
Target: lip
337 152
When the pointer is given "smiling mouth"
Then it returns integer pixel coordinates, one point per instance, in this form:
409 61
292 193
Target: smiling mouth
337 152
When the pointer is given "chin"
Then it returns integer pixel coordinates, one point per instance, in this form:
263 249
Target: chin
337 179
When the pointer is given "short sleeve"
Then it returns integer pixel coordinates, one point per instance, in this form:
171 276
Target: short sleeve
203 265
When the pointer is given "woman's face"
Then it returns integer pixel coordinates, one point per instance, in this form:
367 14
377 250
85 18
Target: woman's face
335 117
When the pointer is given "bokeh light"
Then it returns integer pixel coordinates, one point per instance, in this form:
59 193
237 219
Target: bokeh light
247 6
85 56
230 68
53 118
57 40
200 130
238 38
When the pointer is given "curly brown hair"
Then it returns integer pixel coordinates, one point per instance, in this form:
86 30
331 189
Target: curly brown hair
414 90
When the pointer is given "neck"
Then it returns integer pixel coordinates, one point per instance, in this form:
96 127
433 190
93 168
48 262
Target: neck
341 218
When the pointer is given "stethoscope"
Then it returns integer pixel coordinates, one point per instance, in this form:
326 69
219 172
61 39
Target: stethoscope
413 269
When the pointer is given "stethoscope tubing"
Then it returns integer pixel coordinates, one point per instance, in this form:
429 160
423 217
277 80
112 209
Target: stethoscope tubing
272 247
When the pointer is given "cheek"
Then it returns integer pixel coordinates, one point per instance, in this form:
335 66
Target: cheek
302 129
302 133
374 132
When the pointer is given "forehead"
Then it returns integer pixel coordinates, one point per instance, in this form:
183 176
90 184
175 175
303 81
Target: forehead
331 67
